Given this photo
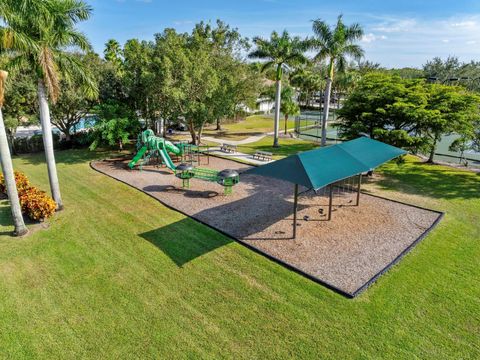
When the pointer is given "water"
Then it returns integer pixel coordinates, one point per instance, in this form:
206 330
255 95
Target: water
85 123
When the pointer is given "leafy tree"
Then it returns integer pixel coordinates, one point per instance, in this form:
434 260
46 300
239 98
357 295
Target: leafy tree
469 140
116 124
384 107
193 75
73 104
138 79
113 132
449 109
453 72
281 52
37 33
289 106
406 73
407 112
334 45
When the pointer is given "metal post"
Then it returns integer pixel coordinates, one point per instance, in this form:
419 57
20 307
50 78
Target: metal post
358 189
295 203
330 203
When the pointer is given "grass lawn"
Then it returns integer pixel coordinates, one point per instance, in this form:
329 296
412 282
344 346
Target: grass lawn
287 146
255 124
96 284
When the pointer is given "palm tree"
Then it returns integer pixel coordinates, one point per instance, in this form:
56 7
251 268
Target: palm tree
113 54
308 80
281 53
36 33
334 45
7 168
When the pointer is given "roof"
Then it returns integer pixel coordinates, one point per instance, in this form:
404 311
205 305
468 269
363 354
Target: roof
317 168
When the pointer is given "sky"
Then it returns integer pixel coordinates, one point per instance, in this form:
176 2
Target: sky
399 33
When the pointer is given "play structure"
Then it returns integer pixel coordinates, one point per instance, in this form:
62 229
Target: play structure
150 147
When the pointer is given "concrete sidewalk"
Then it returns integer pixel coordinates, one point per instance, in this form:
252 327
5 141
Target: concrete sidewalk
237 156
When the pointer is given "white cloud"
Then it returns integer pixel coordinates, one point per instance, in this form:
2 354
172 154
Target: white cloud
371 37
414 41
396 25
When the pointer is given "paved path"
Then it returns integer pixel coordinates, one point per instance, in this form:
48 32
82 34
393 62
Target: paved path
250 139
237 156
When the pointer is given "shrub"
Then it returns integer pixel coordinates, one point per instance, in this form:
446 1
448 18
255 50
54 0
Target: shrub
33 144
21 180
36 204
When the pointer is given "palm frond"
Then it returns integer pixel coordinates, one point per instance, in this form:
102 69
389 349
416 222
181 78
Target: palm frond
49 71
73 68
354 32
354 51
322 31
267 65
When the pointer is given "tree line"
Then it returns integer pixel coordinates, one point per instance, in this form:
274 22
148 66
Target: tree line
209 74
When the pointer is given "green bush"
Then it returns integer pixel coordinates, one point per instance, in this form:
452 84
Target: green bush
33 144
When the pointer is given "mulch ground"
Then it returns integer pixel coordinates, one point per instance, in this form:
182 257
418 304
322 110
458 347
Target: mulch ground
346 252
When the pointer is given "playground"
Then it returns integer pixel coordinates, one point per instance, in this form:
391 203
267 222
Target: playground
346 253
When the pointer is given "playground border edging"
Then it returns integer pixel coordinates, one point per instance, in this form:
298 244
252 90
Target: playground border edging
317 280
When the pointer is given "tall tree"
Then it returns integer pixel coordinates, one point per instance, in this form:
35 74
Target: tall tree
281 52
309 81
408 112
289 106
334 45
7 168
73 104
450 109
114 54
37 32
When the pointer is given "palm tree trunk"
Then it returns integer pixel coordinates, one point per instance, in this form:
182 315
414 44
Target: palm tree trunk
48 144
7 169
326 111
278 96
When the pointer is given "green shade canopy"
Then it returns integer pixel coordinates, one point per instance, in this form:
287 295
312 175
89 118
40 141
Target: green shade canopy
318 168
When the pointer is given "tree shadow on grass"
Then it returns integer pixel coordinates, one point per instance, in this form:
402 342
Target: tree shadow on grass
185 240
435 181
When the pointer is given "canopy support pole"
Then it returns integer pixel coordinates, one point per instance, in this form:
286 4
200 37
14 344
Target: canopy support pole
359 187
330 202
295 206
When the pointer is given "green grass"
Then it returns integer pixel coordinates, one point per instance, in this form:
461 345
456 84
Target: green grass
287 146
119 275
255 124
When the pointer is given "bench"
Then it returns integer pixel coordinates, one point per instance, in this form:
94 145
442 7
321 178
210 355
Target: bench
228 148
263 155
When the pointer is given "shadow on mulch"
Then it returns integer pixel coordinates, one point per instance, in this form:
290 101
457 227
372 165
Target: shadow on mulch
186 192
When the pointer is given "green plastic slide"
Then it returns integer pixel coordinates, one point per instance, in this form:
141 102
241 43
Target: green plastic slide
172 148
167 160
137 157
